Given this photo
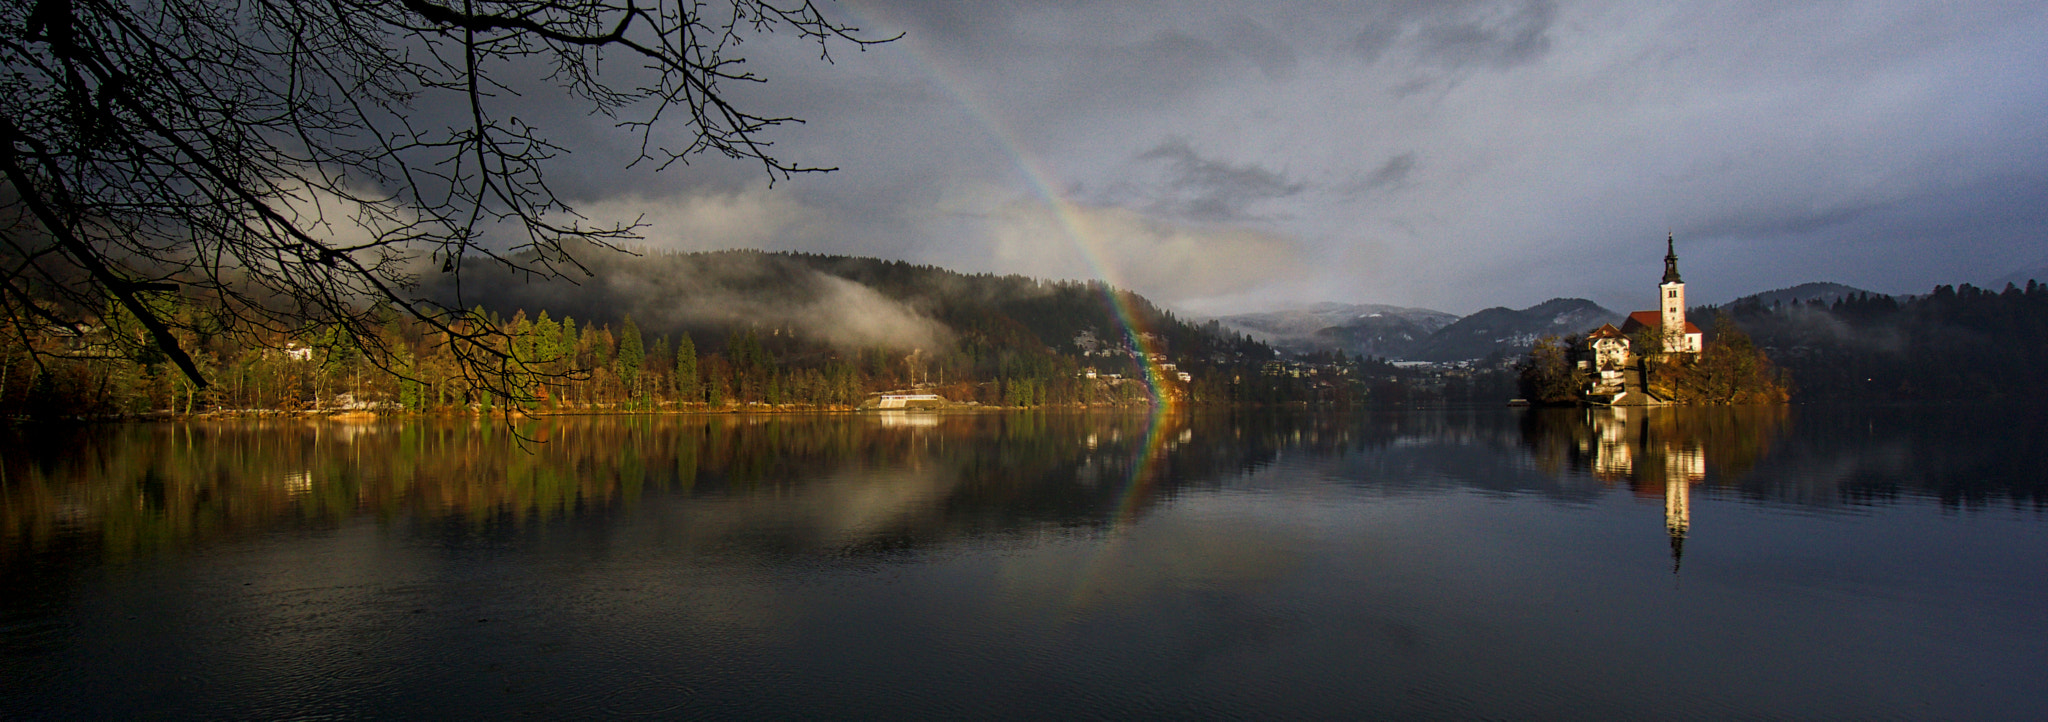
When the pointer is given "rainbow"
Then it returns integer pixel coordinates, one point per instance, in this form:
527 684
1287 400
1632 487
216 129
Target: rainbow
1066 214
1090 244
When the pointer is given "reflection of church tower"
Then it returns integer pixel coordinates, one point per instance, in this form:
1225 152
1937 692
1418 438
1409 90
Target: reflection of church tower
1682 467
1672 303
1677 516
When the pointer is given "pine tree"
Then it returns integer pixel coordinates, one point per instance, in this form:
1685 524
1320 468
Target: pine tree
687 388
632 352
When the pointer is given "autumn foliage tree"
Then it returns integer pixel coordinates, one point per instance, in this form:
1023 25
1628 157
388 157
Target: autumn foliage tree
1546 375
1729 370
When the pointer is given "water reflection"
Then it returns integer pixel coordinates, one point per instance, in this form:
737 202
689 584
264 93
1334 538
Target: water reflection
830 483
820 483
1656 450
1402 564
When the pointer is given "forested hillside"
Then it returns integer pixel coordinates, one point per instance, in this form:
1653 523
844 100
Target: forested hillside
689 331
1957 343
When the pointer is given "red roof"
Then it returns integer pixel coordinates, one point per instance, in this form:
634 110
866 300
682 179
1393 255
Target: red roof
1606 330
1642 319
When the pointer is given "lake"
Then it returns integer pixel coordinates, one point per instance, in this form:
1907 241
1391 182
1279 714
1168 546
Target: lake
1801 562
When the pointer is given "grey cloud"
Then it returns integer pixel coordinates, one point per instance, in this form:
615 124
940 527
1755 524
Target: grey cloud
956 25
1266 49
1786 221
1413 87
1372 43
1495 35
1040 64
1168 65
1209 190
1390 174
1518 38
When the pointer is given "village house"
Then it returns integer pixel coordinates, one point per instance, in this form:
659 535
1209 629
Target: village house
1606 359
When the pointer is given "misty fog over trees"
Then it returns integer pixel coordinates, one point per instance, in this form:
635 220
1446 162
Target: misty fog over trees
747 329
736 329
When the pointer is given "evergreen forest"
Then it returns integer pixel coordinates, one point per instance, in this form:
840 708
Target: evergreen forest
742 336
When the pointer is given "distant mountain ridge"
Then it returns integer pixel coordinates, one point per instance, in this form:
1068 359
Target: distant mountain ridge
2037 272
1501 329
1418 334
1368 329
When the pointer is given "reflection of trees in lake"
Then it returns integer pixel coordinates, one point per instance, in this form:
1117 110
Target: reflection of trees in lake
835 483
821 481
824 481
1961 455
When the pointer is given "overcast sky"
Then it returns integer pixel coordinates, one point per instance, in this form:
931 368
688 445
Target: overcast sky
1223 157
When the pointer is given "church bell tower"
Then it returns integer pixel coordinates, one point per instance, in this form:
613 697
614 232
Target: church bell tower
1672 303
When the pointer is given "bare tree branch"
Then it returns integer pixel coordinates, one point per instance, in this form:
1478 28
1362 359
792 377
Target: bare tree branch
268 159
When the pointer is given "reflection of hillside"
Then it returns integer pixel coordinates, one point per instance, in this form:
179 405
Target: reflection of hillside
843 483
1961 455
784 482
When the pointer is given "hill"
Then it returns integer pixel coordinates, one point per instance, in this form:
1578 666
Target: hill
1803 293
846 304
2035 272
1955 343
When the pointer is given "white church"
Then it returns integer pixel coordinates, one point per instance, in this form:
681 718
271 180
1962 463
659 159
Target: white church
1606 352
1680 335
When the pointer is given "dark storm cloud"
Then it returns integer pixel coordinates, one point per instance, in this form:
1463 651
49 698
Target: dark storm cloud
2001 221
1449 153
1204 189
1057 58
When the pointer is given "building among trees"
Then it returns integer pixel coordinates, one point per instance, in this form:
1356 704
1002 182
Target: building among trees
1609 360
1655 358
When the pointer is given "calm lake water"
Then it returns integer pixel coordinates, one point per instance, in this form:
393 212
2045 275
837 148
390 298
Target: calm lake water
1494 563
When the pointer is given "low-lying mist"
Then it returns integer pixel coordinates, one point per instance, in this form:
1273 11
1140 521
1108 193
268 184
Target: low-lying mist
704 293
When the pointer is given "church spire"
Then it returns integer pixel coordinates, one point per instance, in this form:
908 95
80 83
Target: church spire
1671 259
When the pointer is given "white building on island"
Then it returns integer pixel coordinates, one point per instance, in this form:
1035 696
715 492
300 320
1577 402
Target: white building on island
1608 357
